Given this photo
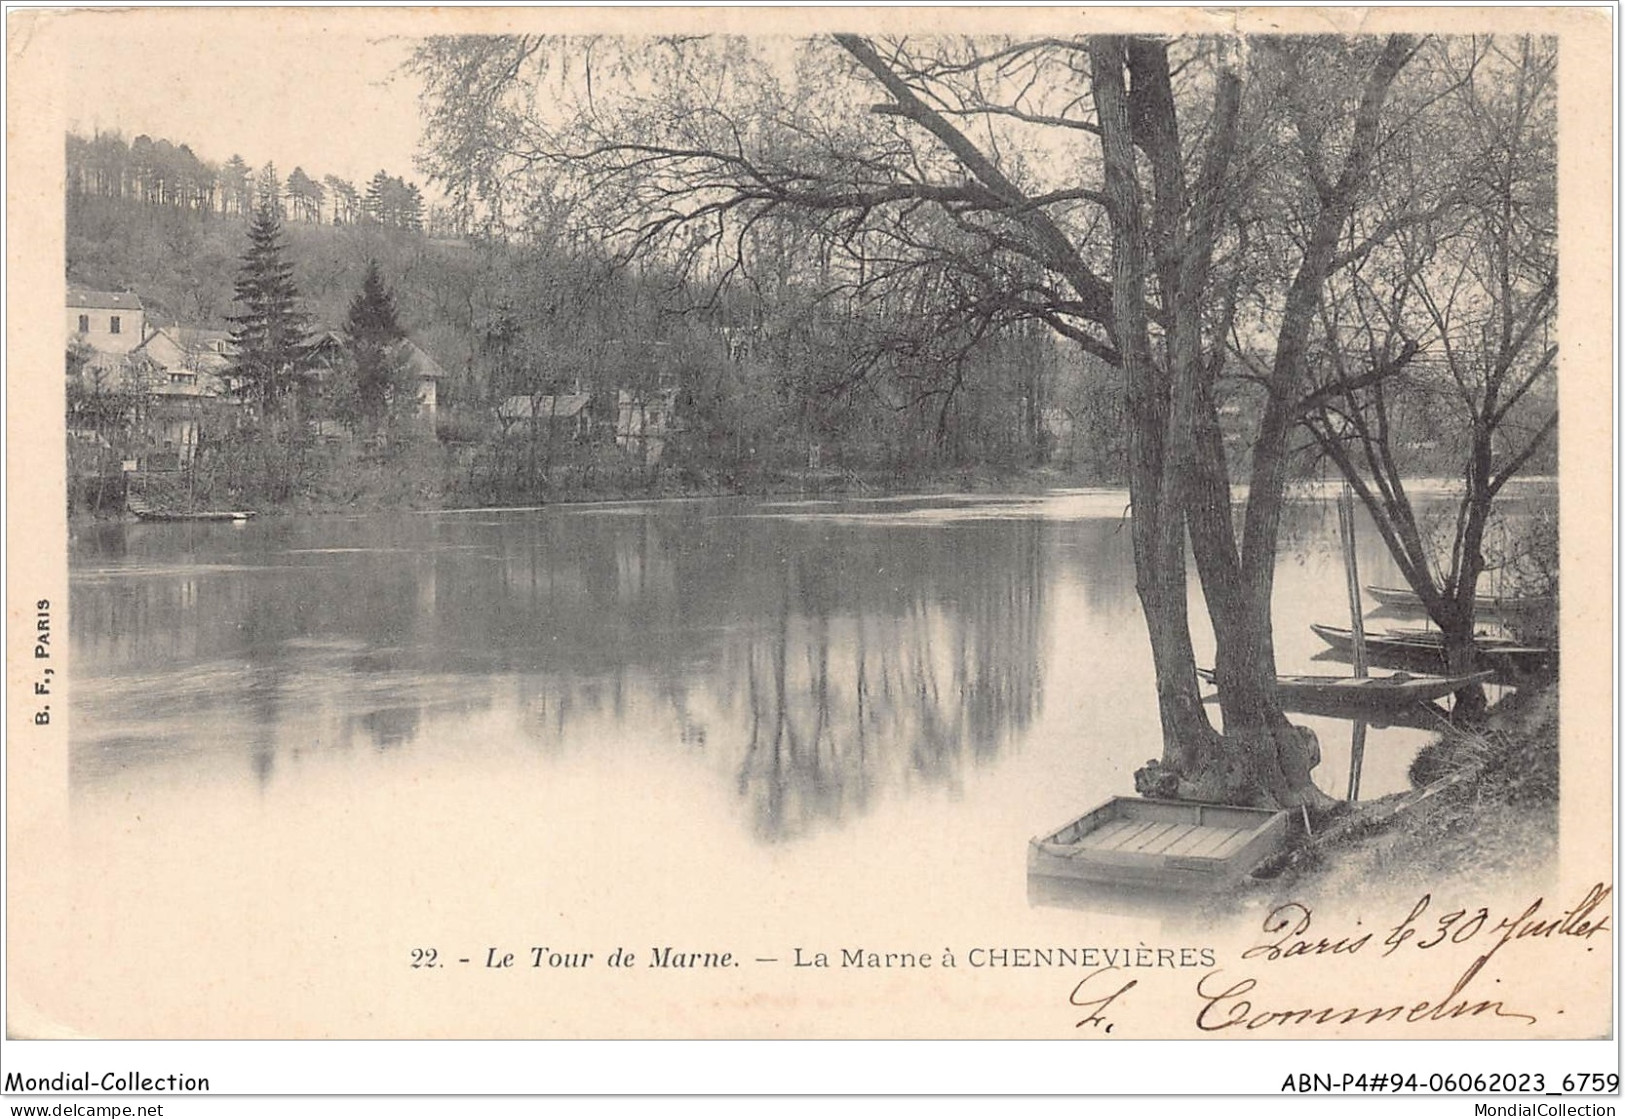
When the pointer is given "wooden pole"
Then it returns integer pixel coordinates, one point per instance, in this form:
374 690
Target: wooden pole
1356 760
1351 568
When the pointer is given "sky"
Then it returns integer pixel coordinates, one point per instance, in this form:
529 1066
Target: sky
317 89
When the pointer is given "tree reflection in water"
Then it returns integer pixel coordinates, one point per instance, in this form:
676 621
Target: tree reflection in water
842 704
815 663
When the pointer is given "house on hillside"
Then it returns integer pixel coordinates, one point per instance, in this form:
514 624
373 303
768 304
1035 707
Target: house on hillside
1060 430
644 421
191 357
563 415
186 373
428 374
151 394
109 322
329 350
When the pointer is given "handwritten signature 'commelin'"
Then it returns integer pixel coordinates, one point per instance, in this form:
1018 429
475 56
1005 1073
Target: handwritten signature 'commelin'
1225 1005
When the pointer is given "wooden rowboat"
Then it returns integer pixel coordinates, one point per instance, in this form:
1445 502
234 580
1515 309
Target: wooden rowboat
212 515
1426 635
1423 650
1400 598
1416 716
1160 844
1381 692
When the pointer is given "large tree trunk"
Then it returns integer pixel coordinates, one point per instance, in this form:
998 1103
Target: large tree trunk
1155 482
1282 755
1179 477
1459 618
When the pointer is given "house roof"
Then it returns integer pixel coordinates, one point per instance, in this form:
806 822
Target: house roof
188 348
170 362
563 406
327 340
419 363
104 300
217 341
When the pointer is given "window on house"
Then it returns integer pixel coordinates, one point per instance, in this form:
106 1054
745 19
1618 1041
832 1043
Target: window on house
84 324
113 324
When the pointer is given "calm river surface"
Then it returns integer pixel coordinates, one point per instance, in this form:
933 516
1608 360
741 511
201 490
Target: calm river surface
807 663
302 748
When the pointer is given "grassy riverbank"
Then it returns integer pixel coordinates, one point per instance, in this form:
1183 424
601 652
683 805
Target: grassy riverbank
425 477
1483 807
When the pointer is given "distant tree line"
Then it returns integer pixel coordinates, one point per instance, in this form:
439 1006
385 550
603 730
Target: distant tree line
161 173
753 395
766 383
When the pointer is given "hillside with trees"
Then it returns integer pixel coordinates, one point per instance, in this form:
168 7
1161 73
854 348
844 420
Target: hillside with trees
770 385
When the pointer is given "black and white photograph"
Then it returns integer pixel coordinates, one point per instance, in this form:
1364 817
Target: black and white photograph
728 525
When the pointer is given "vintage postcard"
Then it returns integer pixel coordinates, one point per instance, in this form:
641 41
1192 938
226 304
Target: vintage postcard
1058 525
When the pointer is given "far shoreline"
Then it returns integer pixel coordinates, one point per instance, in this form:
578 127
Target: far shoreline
969 482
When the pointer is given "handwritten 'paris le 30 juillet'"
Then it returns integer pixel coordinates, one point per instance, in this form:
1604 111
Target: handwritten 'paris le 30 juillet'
1237 1000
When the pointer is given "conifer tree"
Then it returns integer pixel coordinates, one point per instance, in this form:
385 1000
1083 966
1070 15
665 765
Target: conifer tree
346 202
268 189
411 206
305 196
269 332
379 201
373 335
235 183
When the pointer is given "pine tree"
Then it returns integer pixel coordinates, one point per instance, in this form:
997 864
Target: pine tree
305 196
269 334
268 189
235 185
379 202
411 206
346 203
373 335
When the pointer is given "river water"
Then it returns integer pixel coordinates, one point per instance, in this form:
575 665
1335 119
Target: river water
810 661
636 719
